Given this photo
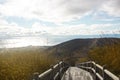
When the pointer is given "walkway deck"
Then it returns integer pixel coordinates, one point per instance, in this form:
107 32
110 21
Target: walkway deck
74 73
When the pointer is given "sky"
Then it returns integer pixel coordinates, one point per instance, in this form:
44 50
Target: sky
58 20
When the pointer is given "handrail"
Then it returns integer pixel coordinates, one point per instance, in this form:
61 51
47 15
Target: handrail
110 74
54 73
45 73
100 72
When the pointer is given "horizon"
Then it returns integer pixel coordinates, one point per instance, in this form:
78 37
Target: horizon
49 22
22 42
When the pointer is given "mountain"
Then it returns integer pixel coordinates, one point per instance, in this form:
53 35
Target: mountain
80 47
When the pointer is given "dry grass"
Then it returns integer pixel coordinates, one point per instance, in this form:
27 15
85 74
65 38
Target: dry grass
108 55
21 64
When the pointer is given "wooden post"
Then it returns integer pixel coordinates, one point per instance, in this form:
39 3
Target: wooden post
90 65
59 71
36 76
52 73
119 77
103 74
95 71
87 66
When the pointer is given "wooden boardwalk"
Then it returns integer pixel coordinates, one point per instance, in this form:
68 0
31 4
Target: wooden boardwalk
82 71
74 73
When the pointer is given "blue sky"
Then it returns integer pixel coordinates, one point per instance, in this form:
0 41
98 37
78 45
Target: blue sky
58 18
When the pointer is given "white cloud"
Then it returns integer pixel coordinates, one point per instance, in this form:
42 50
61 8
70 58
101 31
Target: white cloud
57 10
39 33
10 29
81 29
37 29
112 7
49 10
3 22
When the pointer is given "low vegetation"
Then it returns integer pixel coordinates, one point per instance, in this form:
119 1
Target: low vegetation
108 55
20 64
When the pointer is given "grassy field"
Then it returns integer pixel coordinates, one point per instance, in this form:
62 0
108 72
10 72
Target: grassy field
20 64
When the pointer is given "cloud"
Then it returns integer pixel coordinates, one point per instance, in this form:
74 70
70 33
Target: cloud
75 7
41 33
10 29
43 30
56 10
81 29
112 7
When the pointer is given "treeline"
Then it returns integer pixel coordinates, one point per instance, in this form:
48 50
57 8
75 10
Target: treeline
108 55
21 64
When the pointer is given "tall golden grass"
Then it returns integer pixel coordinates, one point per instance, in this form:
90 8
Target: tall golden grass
108 55
21 64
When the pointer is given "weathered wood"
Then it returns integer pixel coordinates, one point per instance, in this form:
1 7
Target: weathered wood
100 72
54 73
74 73
111 75
119 77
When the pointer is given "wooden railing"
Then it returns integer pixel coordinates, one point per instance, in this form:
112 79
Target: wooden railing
99 71
54 73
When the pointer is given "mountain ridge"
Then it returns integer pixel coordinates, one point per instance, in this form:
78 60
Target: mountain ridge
80 47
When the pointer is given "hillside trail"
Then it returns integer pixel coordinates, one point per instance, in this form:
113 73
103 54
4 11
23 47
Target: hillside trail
93 43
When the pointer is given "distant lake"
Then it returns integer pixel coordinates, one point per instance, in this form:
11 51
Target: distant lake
22 42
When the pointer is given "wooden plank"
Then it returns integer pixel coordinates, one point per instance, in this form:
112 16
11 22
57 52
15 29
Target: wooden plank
101 73
74 73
